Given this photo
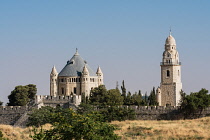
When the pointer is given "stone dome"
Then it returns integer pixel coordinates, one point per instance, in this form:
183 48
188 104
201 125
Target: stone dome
170 40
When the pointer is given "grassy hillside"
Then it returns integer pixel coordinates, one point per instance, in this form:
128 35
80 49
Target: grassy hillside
128 130
164 130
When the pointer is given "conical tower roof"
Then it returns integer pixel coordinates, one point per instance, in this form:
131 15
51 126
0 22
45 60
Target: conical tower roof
99 71
85 70
54 71
74 67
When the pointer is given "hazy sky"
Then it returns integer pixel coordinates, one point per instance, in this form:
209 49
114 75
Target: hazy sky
125 37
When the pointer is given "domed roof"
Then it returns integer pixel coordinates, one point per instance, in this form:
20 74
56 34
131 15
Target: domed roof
170 40
74 67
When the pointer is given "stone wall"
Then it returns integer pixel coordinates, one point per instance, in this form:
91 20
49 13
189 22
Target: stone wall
63 101
17 115
164 113
10 114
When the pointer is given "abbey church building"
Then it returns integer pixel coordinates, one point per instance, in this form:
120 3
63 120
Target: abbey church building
75 78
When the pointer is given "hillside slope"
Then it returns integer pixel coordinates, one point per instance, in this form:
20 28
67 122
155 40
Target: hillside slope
139 129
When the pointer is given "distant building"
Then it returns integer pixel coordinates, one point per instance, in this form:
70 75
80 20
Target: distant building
67 87
75 78
168 94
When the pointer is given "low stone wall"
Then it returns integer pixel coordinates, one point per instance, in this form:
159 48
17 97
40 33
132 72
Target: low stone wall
14 115
10 114
164 113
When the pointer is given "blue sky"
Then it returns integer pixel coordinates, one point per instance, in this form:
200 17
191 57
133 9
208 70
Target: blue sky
125 37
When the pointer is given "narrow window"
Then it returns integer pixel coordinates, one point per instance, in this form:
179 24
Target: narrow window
62 91
178 72
168 73
75 90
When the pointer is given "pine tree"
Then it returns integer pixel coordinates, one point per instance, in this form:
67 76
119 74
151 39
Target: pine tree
152 98
123 89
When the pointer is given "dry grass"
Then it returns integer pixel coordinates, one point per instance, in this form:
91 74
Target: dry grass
164 130
137 130
17 133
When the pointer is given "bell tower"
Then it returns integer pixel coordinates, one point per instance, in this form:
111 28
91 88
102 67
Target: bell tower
171 85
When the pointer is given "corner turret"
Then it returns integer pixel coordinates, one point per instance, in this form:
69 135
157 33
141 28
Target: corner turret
99 73
85 71
53 82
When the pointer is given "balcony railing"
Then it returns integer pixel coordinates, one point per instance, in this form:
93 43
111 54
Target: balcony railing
170 63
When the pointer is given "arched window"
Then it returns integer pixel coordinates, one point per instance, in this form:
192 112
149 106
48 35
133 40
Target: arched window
168 73
178 72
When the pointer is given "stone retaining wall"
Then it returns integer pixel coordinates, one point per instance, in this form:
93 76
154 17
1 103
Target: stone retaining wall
10 115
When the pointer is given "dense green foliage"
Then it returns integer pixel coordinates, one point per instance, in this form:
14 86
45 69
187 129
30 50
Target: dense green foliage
195 102
101 97
107 105
21 95
41 116
1 103
152 98
69 125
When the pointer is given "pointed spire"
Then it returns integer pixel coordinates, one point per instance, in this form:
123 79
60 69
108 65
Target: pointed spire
54 71
85 70
99 72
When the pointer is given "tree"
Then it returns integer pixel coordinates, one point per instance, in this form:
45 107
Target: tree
32 90
123 89
146 99
21 95
97 96
195 102
68 125
152 98
113 97
138 99
101 97
40 116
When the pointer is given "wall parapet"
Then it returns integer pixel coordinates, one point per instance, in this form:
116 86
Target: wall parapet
13 108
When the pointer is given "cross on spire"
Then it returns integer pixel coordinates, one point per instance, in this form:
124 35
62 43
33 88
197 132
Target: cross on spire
170 31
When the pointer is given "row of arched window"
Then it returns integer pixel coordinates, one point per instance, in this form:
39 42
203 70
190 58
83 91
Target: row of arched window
71 80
